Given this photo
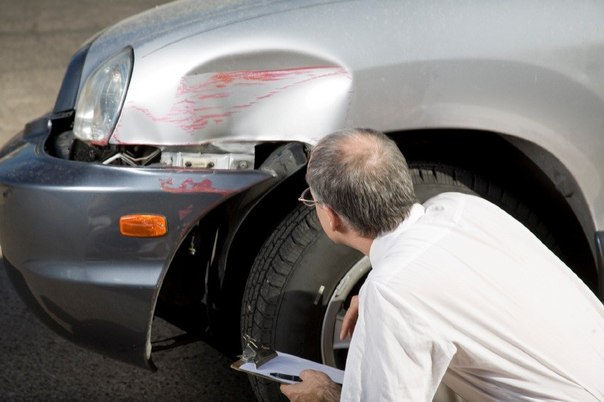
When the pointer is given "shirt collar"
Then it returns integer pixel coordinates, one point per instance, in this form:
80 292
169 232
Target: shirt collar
383 242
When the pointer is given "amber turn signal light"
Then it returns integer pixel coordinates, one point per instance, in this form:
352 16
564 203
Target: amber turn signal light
141 225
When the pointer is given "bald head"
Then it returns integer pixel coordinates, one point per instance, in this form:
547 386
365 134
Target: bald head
362 175
361 150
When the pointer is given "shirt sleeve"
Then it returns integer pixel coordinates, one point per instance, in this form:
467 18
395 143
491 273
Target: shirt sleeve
394 354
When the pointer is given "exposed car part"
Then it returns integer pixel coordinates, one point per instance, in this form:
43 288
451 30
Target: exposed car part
130 160
234 156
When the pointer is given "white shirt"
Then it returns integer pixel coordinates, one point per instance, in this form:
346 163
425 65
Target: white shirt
462 292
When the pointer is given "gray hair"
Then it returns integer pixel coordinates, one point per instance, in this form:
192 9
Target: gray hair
363 176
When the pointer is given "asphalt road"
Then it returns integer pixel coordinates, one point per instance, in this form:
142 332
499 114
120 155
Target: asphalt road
37 38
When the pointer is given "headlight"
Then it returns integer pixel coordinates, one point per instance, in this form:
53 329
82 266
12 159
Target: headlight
101 99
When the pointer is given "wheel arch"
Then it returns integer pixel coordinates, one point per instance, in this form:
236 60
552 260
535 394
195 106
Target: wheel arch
523 168
258 213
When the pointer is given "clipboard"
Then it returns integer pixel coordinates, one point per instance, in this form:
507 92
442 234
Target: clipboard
261 361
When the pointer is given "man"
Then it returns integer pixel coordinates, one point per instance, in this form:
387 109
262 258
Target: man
459 291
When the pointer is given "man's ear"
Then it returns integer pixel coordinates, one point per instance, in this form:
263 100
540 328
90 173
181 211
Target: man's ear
335 221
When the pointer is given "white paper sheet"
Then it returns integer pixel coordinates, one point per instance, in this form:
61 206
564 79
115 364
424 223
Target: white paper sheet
288 364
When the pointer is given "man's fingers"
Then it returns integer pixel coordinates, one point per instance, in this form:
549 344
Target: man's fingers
345 331
306 374
285 389
350 319
315 386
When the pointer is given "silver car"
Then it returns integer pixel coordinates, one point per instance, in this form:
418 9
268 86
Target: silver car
165 180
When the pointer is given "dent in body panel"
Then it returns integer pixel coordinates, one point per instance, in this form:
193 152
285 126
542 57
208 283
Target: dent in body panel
209 105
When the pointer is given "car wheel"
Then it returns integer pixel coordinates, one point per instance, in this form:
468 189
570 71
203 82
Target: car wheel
301 282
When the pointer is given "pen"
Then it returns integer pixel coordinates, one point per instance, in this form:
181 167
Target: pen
288 377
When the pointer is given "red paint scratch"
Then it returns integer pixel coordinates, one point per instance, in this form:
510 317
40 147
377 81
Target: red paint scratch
189 186
225 78
213 99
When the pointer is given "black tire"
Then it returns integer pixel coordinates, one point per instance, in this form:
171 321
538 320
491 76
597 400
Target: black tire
298 269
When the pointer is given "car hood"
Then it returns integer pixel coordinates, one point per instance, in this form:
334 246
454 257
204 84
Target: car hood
162 25
203 73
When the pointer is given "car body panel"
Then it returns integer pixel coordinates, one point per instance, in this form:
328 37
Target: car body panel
60 229
255 72
215 105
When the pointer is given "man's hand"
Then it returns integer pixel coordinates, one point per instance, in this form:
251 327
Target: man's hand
316 386
350 319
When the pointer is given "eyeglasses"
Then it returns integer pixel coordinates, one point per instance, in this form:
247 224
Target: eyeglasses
307 199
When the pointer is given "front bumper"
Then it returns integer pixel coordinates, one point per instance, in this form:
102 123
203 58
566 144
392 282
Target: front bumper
59 233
